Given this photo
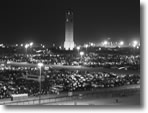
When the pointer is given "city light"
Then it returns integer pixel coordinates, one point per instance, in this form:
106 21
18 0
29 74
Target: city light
22 45
31 44
40 64
26 46
78 48
121 43
81 53
1 44
86 46
135 43
60 47
100 67
105 42
92 44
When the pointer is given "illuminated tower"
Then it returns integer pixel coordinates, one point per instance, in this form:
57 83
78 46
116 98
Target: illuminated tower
69 43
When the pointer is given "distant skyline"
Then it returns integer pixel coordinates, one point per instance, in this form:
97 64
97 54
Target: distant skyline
44 21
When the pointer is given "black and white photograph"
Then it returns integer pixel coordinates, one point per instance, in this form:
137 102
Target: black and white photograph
70 52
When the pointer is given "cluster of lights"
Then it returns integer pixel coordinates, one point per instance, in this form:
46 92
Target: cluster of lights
28 45
2 45
43 46
135 43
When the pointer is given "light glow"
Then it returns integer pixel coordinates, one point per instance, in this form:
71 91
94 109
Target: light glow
31 44
121 43
81 53
40 64
105 43
78 48
26 46
135 43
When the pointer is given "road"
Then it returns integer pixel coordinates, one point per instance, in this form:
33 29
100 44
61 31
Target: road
78 68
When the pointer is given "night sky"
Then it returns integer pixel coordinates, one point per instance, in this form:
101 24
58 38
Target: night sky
44 21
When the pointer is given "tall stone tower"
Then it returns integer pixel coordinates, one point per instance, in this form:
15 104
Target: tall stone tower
69 43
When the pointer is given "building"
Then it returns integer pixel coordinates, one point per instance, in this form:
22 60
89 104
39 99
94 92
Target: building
69 42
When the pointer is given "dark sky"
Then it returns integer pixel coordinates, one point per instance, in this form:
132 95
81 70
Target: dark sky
44 21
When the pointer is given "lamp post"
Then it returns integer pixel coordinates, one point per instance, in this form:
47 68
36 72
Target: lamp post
134 44
105 43
31 44
40 67
121 43
81 54
78 48
86 46
26 46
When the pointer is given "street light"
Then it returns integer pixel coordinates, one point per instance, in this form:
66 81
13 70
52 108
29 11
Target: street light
121 43
31 44
86 46
135 43
40 65
91 44
21 45
105 43
81 53
26 46
78 48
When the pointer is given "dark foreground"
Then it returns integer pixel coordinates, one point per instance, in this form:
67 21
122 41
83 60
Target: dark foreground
126 95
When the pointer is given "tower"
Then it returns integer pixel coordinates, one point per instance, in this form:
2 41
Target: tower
69 43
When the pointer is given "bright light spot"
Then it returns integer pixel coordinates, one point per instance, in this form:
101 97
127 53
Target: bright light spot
81 53
21 45
78 48
92 44
135 43
16 45
26 46
40 64
121 43
86 46
1 45
43 46
31 44
105 43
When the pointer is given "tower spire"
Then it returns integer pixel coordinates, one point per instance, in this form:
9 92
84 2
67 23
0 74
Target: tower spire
69 43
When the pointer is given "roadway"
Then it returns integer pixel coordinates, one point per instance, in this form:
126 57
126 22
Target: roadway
97 69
